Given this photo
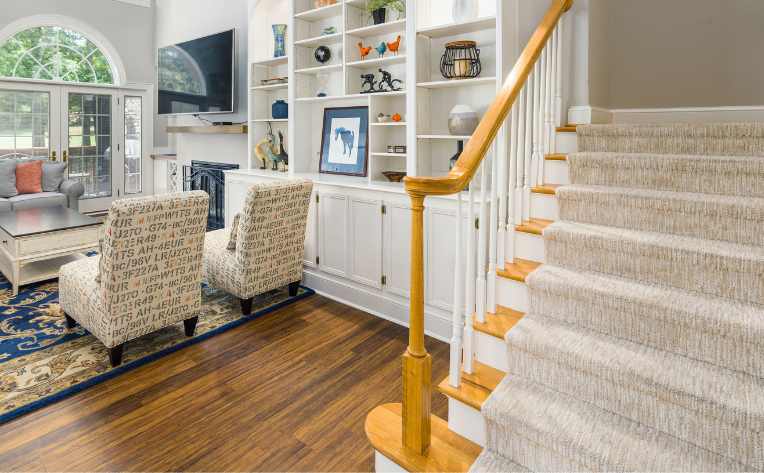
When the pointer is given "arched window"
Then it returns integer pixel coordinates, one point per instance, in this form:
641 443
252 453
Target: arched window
54 53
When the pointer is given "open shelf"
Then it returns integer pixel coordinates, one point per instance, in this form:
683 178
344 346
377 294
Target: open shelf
318 69
210 129
320 40
444 137
390 155
285 85
454 29
446 84
274 61
389 124
380 61
397 26
321 13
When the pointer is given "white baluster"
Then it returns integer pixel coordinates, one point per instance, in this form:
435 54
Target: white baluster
455 371
553 93
527 167
538 119
493 231
558 93
505 194
480 283
511 207
547 109
522 121
469 285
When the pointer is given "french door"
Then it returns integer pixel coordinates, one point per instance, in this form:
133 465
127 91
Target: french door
101 133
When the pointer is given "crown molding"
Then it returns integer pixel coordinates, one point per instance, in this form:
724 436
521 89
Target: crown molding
140 3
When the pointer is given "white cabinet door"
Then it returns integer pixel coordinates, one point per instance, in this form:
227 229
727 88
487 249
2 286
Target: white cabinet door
333 233
311 232
439 266
365 249
397 271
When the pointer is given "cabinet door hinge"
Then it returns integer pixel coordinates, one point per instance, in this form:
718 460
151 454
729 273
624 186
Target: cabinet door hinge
384 209
477 224
317 198
384 280
318 260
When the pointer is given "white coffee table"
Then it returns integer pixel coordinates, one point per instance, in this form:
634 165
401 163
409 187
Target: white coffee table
35 243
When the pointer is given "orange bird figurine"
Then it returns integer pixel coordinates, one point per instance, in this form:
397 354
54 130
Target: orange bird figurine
393 47
365 50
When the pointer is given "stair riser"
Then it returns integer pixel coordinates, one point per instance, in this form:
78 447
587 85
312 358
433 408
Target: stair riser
545 207
566 143
491 351
646 408
556 172
723 176
708 274
700 219
529 247
466 421
512 294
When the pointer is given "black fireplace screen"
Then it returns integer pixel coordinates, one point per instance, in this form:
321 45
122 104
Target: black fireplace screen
209 177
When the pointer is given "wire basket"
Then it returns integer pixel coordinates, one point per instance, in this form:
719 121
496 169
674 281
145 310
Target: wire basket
461 60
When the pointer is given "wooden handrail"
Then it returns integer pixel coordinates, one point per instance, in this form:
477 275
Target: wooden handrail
417 363
478 145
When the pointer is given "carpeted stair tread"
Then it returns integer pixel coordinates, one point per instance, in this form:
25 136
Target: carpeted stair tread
717 217
724 139
719 331
711 407
725 175
703 266
489 462
549 431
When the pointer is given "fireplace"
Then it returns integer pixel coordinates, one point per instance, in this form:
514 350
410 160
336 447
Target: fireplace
208 177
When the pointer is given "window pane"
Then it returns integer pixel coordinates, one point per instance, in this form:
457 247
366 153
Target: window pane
133 145
24 127
90 144
54 53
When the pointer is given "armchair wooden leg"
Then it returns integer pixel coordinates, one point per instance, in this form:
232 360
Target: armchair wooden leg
70 322
190 326
115 355
246 306
293 288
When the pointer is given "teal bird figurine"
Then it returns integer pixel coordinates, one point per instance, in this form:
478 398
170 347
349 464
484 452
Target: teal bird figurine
381 49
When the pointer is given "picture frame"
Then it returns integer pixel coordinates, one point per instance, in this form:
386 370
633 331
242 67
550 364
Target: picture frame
345 141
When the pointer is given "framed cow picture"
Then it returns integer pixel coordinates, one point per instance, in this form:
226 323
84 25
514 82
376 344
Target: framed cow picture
345 141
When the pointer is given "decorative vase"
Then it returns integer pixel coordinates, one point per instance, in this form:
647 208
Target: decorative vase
322 54
279 40
462 121
378 15
464 10
280 110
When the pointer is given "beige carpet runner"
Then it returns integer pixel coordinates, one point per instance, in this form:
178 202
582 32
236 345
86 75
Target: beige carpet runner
643 349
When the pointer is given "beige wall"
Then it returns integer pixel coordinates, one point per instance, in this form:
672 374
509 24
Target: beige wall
676 53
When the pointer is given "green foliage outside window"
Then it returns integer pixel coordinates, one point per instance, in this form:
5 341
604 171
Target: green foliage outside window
54 53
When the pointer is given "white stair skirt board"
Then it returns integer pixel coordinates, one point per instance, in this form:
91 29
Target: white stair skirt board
491 351
545 206
556 172
512 294
466 421
567 142
529 246
382 464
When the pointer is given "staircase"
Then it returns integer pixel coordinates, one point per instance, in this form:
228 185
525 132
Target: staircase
611 311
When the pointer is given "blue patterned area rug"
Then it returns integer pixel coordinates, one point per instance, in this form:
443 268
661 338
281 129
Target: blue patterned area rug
42 362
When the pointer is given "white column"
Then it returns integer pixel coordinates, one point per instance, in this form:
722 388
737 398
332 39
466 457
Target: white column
455 371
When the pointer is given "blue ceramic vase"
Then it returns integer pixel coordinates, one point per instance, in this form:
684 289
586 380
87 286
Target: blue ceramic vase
280 110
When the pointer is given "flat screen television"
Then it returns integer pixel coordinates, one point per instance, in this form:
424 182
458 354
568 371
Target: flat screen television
197 76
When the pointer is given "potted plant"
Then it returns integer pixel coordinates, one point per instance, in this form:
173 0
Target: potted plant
377 8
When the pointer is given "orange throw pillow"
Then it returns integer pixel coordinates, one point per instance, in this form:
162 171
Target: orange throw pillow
29 177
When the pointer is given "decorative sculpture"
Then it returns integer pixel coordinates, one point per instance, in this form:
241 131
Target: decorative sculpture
381 49
322 54
364 50
266 150
279 40
282 157
392 84
369 84
394 46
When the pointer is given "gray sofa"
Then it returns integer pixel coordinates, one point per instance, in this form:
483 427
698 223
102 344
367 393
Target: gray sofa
61 191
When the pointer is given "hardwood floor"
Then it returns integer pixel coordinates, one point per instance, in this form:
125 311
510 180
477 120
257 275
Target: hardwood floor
287 392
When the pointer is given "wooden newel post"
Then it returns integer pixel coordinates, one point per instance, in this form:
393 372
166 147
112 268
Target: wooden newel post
417 363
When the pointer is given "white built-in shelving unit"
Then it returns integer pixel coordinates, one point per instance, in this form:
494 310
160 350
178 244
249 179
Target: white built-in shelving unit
426 97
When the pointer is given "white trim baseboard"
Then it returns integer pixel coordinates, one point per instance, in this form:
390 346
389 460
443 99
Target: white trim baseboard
581 115
437 326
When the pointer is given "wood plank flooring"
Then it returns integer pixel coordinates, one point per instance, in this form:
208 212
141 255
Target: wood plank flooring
287 392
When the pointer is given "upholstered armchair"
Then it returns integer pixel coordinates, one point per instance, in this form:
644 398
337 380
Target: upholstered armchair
264 248
148 274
